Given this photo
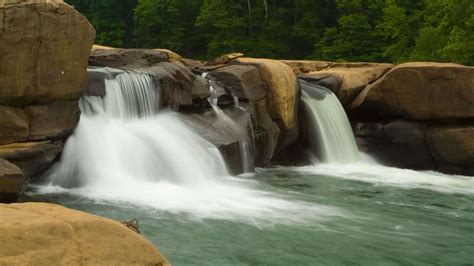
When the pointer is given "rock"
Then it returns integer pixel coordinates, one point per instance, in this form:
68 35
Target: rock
348 80
191 64
172 56
126 58
398 144
305 66
32 157
13 125
281 86
54 120
223 59
420 91
11 182
452 147
47 234
180 86
243 81
45 45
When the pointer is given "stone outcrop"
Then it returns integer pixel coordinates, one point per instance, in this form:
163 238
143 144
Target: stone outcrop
11 181
44 52
46 234
349 79
305 66
421 91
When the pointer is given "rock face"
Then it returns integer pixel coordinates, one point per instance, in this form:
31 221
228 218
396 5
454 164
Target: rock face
46 234
306 66
11 181
349 79
45 46
421 91
44 52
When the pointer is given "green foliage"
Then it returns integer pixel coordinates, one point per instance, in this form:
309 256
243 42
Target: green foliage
339 30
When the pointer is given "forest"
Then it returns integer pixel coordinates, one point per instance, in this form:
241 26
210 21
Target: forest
336 30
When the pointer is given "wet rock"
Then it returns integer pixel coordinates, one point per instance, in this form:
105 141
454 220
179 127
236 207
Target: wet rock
47 234
11 182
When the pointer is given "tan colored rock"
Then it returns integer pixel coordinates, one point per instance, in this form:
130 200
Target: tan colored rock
54 120
121 57
43 52
11 181
223 59
13 125
421 91
32 157
305 66
349 79
281 86
452 146
47 234
172 56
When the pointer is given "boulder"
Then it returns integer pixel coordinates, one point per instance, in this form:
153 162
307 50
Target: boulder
126 58
32 157
191 64
47 234
420 91
45 45
54 120
452 147
281 86
11 182
305 66
13 125
223 59
398 143
349 79
242 81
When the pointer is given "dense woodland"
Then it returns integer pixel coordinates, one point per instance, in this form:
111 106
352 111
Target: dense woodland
338 30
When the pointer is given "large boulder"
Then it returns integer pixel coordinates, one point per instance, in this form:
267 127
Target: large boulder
281 86
349 79
13 125
11 181
45 45
46 234
452 147
420 91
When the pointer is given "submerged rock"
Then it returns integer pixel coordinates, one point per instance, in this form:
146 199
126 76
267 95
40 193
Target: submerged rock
47 234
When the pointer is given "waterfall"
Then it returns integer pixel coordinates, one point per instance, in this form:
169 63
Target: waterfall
331 133
246 146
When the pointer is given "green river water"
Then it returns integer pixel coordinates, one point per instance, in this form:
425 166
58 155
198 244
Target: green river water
377 216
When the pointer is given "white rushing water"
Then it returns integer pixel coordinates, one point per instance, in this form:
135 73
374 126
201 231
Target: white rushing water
331 133
124 152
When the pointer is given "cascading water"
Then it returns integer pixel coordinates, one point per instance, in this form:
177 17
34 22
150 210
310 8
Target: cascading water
245 144
330 128
124 151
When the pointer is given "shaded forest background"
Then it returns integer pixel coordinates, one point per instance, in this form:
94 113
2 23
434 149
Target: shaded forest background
337 30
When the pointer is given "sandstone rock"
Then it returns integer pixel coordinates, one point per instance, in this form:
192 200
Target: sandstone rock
44 47
32 157
243 81
305 66
46 234
13 125
348 80
172 56
11 181
399 143
452 147
281 86
421 91
126 58
191 64
223 59
54 120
